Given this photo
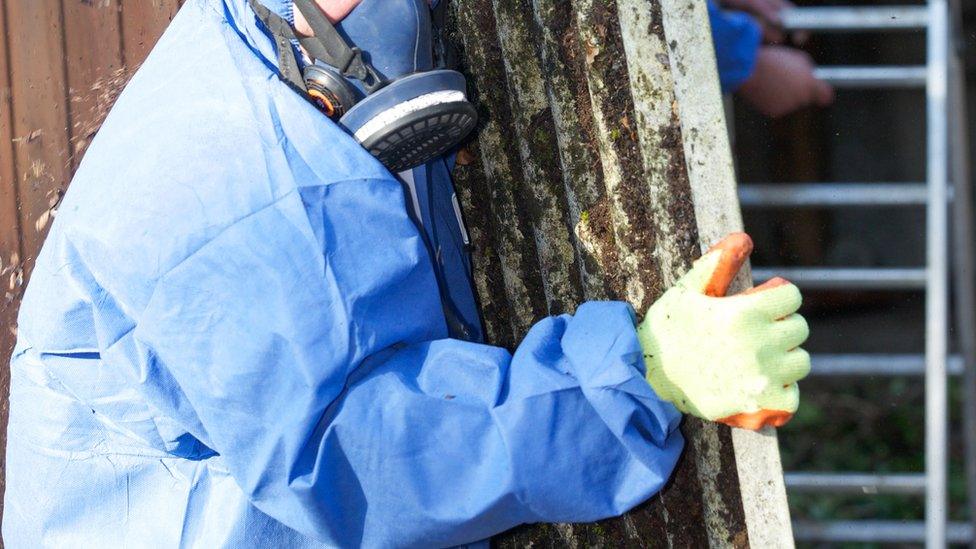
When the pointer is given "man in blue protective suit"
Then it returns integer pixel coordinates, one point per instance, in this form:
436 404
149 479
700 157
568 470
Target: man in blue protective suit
245 330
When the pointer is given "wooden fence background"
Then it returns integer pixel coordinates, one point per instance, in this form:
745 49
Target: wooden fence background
58 60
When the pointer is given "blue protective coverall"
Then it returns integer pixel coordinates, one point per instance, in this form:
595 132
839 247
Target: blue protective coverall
234 337
737 37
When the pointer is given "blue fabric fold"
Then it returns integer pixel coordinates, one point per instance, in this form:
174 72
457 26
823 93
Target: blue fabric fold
737 38
234 336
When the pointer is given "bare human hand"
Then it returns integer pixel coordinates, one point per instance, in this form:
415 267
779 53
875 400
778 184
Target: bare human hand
783 82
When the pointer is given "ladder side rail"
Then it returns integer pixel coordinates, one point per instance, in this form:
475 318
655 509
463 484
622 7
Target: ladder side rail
936 303
964 277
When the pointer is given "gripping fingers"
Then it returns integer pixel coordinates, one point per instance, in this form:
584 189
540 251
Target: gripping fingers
781 397
714 271
778 406
734 250
794 366
757 420
776 299
789 333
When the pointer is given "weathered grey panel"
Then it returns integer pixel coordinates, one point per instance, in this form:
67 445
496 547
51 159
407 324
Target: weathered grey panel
577 187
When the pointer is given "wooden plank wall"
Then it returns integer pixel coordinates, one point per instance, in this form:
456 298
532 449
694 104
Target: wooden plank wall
59 60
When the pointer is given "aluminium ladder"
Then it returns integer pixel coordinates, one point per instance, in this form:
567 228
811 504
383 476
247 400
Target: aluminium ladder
943 79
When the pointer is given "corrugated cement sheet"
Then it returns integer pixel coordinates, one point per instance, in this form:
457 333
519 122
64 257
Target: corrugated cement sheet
600 170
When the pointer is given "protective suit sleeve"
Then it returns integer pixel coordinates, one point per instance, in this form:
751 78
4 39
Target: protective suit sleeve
737 38
299 344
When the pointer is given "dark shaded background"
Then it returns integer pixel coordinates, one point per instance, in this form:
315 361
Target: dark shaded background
855 424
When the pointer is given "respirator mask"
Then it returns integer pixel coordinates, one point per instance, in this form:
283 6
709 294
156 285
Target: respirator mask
374 75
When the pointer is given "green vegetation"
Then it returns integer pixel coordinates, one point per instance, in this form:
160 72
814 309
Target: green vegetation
866 425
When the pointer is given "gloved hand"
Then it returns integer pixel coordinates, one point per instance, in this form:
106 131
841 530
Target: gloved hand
734 359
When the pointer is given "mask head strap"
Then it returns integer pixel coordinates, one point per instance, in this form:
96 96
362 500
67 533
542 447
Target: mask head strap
328 45
283 36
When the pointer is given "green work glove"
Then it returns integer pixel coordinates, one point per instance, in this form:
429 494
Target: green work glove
734 359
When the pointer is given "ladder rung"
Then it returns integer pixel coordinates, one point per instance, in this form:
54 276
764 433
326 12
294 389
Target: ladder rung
856 483
889 76
822 278
876 365
833 194
853 19
880 531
